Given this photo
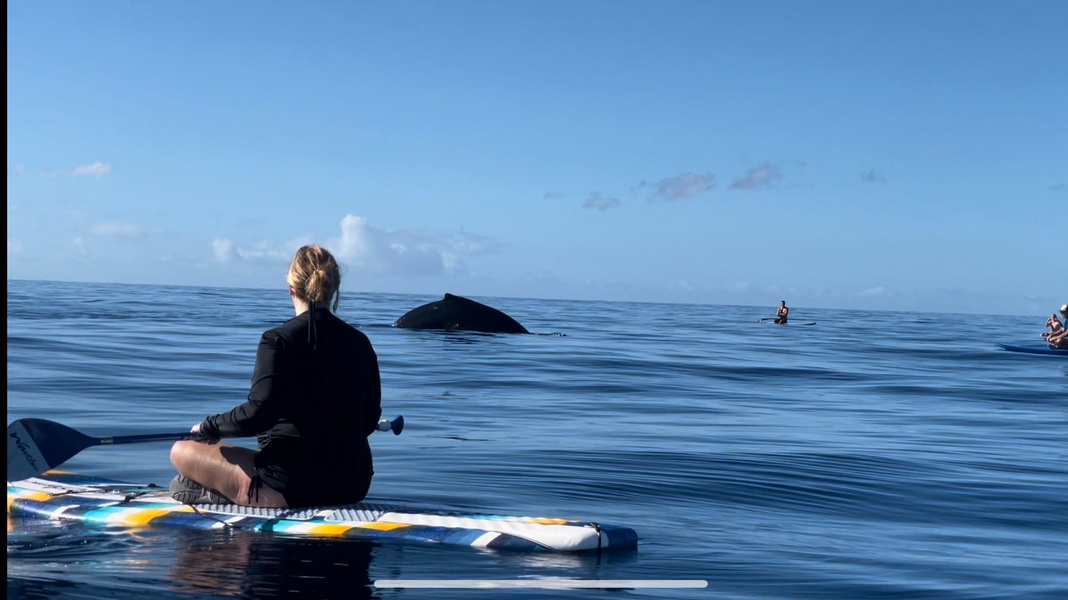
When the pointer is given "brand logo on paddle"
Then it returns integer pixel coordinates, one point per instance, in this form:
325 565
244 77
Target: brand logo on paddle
25 449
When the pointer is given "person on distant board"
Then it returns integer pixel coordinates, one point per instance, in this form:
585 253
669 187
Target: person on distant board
316 396
1054 324
782 314
1059 339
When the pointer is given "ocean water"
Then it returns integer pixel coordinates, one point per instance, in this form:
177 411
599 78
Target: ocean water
872 455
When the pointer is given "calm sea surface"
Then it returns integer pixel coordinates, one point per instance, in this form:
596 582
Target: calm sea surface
872 455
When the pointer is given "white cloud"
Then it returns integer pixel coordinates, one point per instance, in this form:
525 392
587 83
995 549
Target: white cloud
123 230
79 245
263 252
686 185
97 169
370 249
14 247
875 291
364 248
359 241
16 169
684 284
596 200
758 177
223 250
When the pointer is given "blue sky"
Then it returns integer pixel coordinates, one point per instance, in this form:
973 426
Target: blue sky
891 155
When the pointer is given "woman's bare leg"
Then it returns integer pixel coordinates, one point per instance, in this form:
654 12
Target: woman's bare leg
226 469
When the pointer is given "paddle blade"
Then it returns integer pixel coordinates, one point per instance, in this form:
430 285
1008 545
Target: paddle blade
36 445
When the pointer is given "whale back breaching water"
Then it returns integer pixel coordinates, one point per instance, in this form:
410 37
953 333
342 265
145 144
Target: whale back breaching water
456 313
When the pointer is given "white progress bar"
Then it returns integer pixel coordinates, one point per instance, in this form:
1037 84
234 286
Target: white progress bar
551 583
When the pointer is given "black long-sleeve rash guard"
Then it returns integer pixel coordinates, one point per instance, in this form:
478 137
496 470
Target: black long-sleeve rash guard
314 402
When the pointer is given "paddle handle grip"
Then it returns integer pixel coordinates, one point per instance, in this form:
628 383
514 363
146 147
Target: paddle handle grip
396 425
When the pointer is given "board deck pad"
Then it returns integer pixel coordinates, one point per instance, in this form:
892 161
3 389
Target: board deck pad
67 496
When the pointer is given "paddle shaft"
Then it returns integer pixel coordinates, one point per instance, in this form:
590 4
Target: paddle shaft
137 439
384 425
37 445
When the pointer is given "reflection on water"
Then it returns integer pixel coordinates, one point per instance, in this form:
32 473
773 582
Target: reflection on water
75 560
256 565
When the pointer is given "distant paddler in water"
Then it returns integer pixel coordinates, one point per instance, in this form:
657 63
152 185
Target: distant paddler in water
1057 336
783 314
1054 324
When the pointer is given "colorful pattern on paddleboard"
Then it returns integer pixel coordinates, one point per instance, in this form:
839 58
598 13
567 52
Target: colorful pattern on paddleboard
57 495
1035 350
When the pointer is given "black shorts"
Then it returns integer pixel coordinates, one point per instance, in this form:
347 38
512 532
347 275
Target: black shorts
325 492
309 479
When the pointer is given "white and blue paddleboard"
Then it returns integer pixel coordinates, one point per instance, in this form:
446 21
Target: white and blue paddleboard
66 496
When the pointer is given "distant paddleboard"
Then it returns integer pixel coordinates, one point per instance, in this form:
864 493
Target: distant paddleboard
771 321
1035 350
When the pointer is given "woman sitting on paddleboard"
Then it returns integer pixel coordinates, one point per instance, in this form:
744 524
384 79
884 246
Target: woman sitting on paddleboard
316 395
